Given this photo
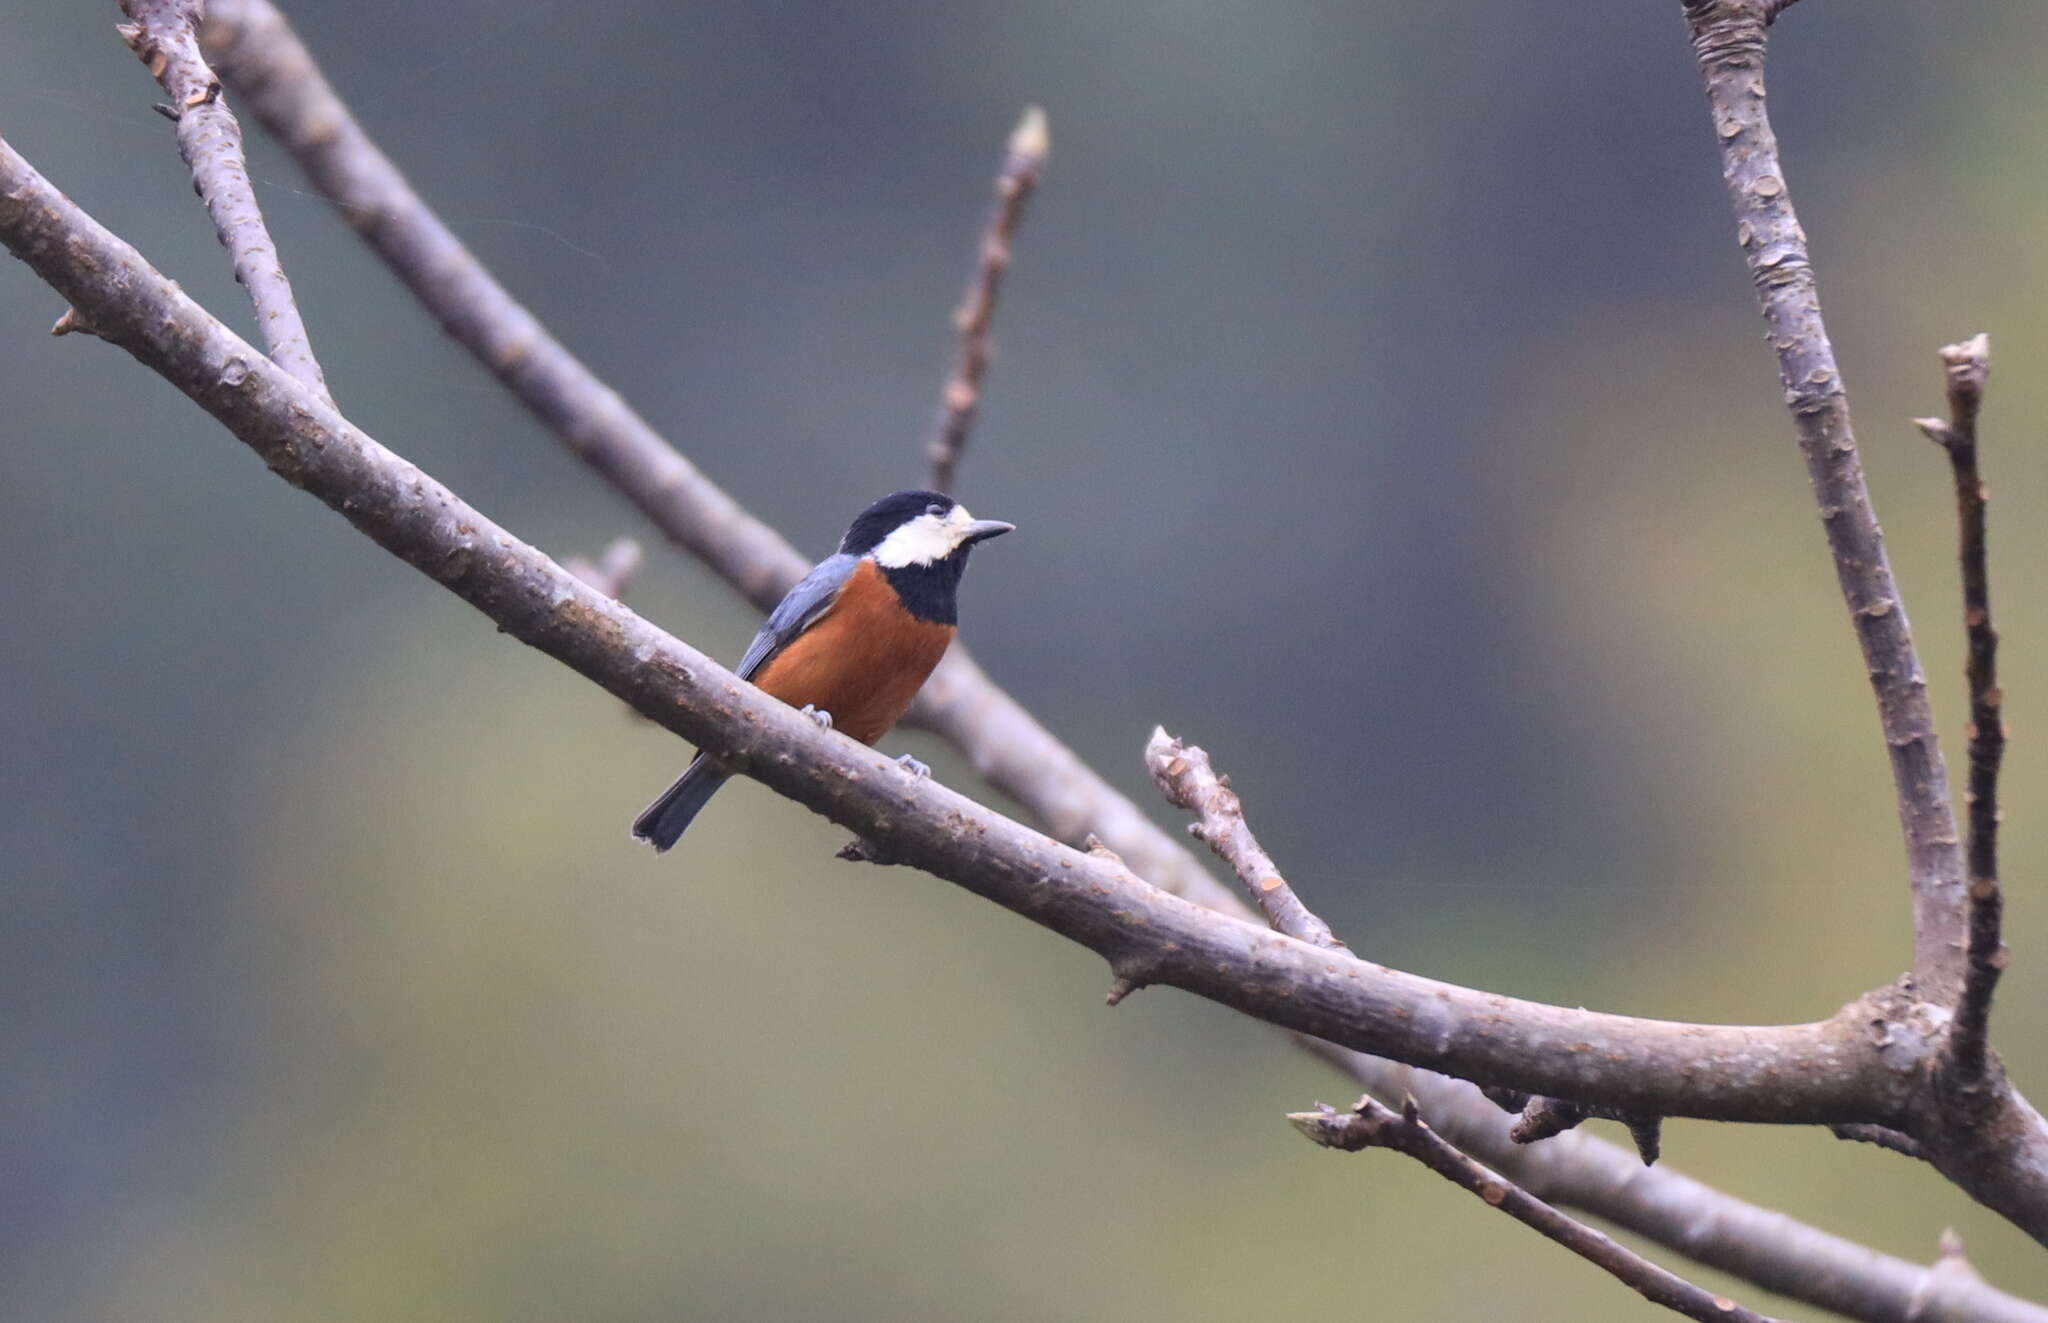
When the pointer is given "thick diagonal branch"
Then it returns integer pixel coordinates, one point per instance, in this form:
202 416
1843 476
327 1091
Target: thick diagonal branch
1370 1125
164 34
1967 367
1728 39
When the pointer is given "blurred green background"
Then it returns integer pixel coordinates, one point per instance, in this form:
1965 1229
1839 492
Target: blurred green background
1381 400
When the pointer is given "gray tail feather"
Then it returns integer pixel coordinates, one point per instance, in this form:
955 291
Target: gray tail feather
663 822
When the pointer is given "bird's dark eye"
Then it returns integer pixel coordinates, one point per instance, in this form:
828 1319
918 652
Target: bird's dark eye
935 508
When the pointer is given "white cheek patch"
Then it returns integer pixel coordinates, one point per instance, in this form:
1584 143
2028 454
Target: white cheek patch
924 540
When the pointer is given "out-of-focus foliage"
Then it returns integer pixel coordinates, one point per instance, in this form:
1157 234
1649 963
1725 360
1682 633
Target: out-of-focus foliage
1382 405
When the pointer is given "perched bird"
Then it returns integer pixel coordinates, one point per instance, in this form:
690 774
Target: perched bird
853 642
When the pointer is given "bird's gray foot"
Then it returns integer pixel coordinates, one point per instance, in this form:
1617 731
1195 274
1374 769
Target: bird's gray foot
914 767
817 714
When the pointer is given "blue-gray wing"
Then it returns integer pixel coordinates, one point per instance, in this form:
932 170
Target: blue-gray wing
811 598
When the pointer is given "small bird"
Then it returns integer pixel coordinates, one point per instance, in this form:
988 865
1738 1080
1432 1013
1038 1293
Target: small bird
853 642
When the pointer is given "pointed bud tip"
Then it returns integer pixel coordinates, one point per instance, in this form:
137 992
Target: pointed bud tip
1033 135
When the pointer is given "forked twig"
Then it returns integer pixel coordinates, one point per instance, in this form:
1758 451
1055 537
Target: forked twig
1371 1125
164 36
1728 40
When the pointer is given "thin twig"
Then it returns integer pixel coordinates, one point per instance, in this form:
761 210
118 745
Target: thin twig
1967 367
164 36
1024 159
1183 774
1371 1125
611 572
1728 39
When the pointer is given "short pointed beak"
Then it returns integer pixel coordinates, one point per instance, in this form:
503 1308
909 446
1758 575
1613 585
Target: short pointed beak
983 529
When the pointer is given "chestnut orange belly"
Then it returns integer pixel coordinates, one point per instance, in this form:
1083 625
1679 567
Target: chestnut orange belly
862 661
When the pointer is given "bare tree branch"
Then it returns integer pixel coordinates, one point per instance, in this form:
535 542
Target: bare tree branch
1186 778
274 74
1986 1137
1967 366
309 445
1728 39
1024 158
1370 1125
1014 752
1813 1073
164 34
